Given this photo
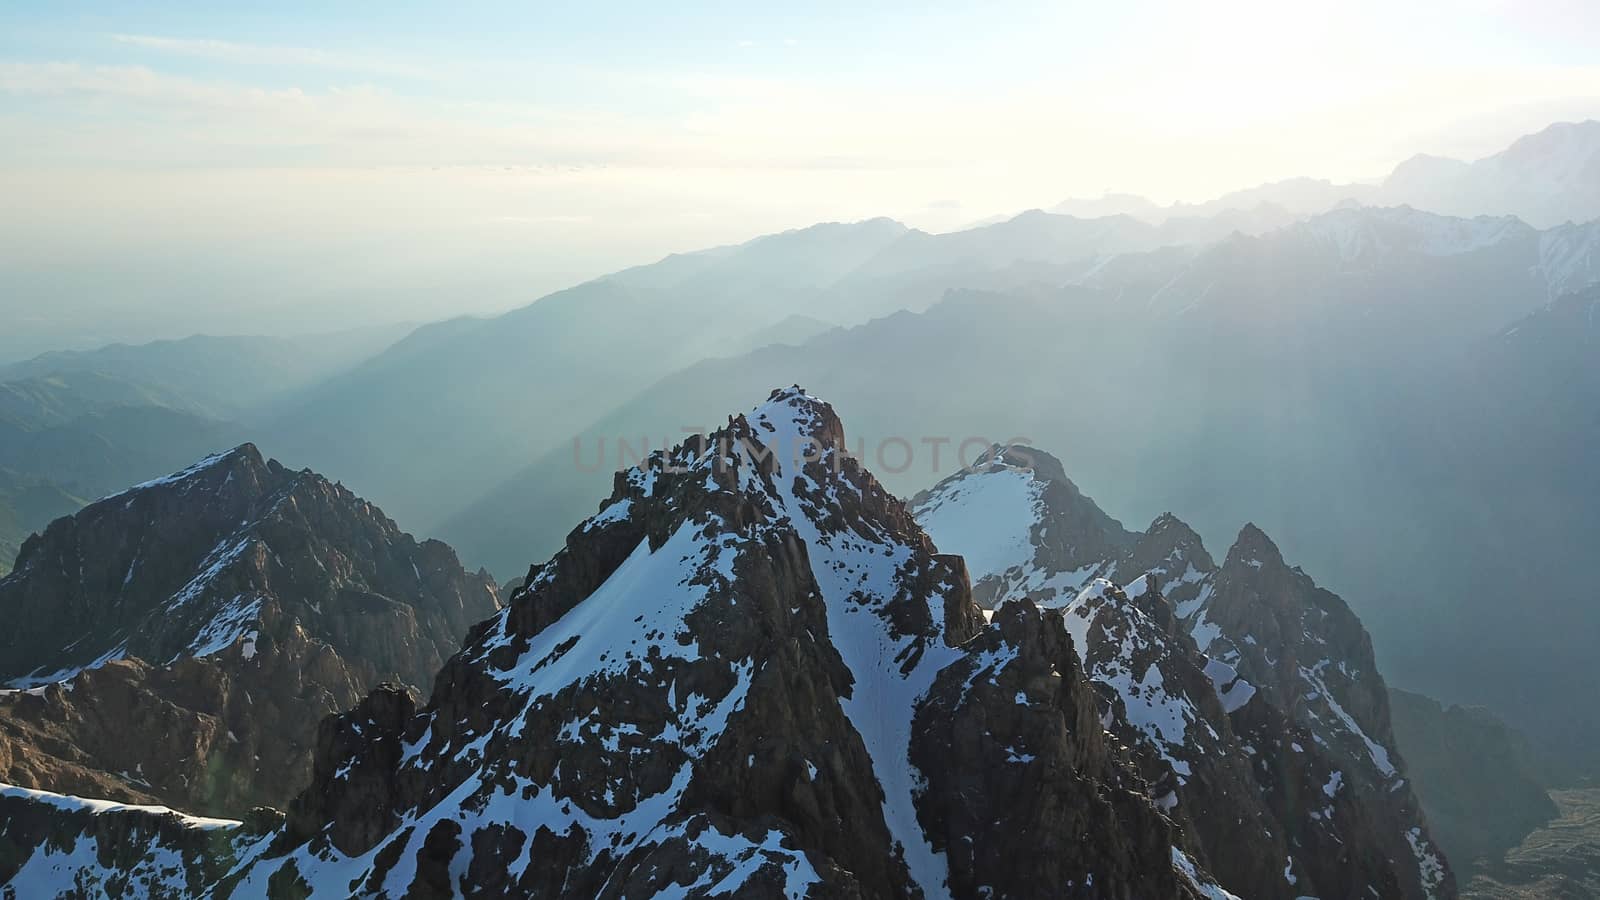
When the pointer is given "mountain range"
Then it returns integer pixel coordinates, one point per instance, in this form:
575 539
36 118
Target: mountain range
754 671
1546 179
828 689
1418 353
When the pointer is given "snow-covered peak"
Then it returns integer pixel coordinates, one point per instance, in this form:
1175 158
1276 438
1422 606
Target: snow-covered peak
988 515
1023 527
1563 154
796 428
1363 233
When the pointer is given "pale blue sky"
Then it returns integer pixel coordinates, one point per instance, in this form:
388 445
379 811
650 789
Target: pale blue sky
416 160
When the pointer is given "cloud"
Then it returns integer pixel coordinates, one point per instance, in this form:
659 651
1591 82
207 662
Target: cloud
264 55
1170 128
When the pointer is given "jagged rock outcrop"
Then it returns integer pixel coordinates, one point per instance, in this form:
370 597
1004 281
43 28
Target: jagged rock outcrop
750 672
178 642
994 726
1247 696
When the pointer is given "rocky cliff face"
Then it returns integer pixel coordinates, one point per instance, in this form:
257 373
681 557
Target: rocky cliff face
179 642
1248 697
750 672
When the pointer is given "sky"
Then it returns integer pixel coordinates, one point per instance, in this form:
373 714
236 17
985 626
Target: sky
181 167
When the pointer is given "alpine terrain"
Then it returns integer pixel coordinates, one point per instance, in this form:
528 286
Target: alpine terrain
754 672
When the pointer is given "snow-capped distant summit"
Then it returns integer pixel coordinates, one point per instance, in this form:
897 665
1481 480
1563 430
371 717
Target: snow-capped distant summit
1375 276
1546 179
1356 232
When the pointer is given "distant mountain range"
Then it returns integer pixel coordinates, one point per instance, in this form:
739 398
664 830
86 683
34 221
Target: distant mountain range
1337 380
221 377
1546 179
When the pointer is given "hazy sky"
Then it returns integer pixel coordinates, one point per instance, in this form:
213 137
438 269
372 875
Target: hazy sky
304 166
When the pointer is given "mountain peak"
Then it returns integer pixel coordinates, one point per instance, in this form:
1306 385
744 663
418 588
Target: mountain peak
1254 549
1173 556
1024 528
1044 466
243 598
794 427
245 458
1171 529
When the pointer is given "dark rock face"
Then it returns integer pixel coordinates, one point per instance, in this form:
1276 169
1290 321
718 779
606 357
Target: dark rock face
202 624
993 736
750 672
1164 707
1248 697
1475 775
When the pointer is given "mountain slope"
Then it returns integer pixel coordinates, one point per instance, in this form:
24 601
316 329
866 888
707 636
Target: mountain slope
179 641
